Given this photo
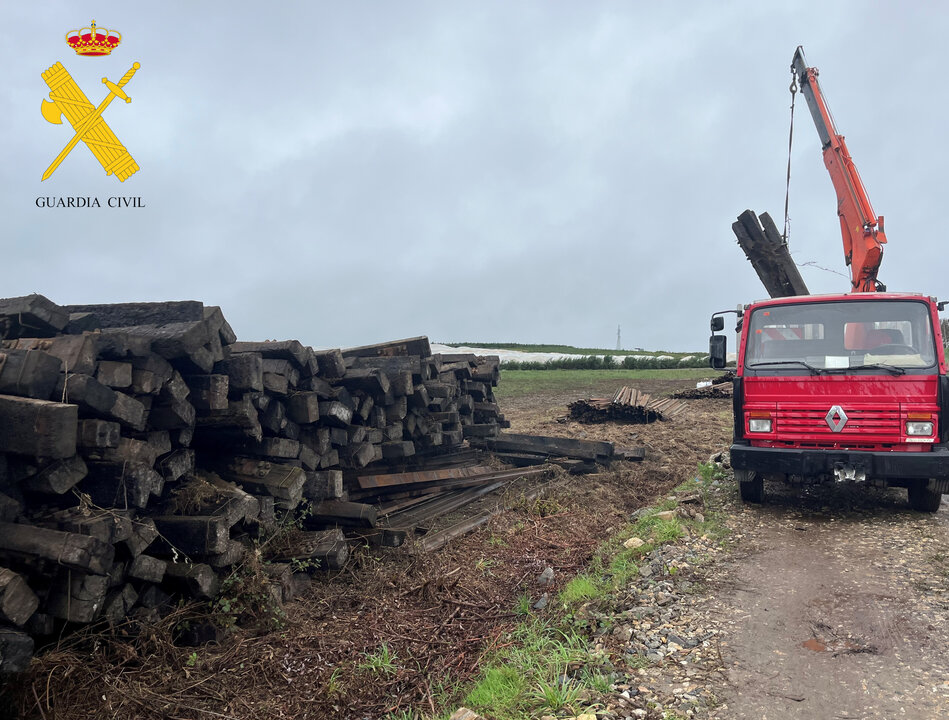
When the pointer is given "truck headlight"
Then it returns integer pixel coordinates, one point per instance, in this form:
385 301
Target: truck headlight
763 425
919 428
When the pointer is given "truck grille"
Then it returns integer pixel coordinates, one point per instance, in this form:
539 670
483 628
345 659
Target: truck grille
798 423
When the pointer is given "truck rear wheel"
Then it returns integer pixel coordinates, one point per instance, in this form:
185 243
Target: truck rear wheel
750 485
922 499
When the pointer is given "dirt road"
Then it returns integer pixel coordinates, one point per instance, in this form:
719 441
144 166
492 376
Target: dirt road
834 605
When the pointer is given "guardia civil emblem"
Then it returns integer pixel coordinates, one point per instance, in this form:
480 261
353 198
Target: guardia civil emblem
68 100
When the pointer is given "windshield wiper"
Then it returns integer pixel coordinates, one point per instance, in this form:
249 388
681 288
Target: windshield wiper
872 366
814 370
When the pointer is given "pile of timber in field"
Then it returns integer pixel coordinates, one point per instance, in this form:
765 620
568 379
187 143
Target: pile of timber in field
577 456
768 254
627 405
721 387
134 437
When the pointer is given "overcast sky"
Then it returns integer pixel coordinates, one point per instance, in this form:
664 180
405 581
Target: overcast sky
352 172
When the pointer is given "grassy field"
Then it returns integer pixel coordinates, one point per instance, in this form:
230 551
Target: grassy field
571 350
516 383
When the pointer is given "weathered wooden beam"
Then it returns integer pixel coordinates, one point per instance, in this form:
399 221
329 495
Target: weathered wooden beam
398 449
195 534
236 551
361 454
544 445
29 373
341 512
16 650
282 349
128 411
381 537
241 415
277 448
121 484
111 315
94 434
176 464
31 316
480 430
39 428
114 373
371 380
147 568
245 372
143 534
118 603
175 415
289 369
216 322
335 413
105 525
208 392
284 482
323 485
196 579
387 480
304 407
276 384
328 548
76 352
330 362
10 508
58 476
409 346
173 340
78 552
308 458
77 597
17 601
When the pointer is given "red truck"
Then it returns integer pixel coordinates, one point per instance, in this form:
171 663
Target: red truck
849 387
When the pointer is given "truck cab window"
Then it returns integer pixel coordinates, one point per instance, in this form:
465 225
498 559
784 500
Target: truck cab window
791 338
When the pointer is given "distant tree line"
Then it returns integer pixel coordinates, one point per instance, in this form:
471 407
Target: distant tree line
608 362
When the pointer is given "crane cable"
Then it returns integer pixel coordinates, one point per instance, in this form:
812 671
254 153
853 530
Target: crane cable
787 189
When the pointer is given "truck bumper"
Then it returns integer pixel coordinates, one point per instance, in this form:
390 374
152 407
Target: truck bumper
882 465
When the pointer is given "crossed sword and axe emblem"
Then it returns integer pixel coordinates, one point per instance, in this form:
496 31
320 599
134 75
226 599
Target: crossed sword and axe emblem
68 100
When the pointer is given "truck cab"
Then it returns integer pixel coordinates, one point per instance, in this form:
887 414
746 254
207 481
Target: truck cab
840 388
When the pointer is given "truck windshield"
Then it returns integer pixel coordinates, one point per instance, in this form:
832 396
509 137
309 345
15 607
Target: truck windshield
856 336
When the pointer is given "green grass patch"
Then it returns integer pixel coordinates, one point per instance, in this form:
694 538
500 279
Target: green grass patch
557 694
500 688
580 589
517 383
623 567
381 661
527 675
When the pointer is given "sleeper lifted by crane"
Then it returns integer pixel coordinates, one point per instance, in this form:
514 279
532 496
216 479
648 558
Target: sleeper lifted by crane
849 387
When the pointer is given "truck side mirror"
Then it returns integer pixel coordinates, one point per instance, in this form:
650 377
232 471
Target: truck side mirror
718 323
717 345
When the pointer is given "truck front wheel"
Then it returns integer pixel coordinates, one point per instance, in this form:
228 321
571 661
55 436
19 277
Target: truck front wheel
922 499
750 485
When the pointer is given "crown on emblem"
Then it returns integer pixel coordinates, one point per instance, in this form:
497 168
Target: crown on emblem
93 41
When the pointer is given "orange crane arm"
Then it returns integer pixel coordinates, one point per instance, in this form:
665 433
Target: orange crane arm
861 229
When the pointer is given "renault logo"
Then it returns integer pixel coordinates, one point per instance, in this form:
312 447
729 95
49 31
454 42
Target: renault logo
836 418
